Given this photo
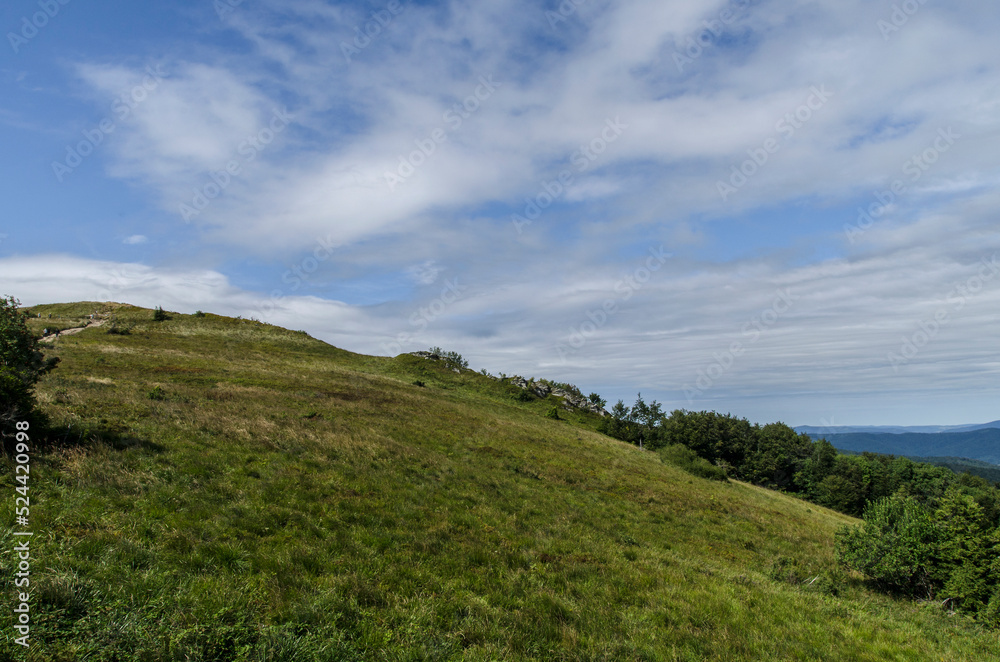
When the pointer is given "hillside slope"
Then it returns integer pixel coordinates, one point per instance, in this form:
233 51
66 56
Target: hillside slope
230 490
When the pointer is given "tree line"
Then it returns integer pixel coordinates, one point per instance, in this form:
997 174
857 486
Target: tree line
927 532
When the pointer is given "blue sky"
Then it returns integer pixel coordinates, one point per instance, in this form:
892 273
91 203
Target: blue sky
781 209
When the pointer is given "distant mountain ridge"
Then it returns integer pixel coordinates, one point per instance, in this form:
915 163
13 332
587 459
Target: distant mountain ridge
975 442
814 430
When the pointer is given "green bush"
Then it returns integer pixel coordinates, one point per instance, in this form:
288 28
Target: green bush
684 458
894 547
966 557
21 365
950 554
453 359
160 315
553 413
156 393
992 614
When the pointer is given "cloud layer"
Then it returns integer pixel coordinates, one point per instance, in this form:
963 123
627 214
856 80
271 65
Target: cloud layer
501 178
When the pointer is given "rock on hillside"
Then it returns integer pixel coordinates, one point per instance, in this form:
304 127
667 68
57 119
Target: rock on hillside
540 389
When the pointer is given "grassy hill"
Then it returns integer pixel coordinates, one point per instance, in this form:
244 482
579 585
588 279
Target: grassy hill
228 490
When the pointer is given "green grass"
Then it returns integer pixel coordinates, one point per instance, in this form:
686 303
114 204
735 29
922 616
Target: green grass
282 499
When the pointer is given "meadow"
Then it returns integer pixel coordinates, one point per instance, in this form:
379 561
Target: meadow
221 489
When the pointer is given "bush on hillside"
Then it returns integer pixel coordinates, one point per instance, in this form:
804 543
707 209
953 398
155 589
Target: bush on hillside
453 359
686 459
950 553
21 366
894 547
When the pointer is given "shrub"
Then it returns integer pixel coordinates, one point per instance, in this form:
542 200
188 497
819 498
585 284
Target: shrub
992 614
453 359
553 413
894 547
597 400
686 459
156 393
198 313
160 315
21 364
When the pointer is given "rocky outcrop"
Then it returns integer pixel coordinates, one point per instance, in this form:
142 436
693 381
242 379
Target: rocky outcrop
540 389
570 400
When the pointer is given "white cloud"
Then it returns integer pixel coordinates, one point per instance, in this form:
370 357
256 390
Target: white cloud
135 239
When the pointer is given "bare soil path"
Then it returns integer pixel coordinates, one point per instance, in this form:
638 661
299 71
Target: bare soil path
68 332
